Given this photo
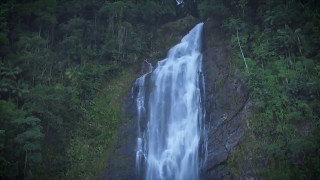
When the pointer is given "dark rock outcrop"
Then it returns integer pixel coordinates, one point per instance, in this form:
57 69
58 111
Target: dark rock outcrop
227 104
121 161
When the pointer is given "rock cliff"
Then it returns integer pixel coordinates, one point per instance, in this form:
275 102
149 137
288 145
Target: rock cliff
227 104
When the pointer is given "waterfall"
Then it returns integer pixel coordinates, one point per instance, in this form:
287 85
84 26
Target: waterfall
170 114
141 111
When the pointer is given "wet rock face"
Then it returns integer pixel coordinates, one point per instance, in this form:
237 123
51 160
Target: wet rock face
121 161
227 104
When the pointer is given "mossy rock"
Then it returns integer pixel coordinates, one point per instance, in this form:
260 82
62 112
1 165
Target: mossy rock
170 34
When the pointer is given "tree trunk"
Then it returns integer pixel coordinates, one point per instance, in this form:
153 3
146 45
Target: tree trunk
25 164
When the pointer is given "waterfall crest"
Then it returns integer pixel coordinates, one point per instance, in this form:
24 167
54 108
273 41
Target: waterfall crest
169 100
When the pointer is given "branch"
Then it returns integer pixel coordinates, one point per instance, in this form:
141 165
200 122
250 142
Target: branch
244 59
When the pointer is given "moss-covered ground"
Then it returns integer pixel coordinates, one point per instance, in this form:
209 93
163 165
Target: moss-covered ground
95 138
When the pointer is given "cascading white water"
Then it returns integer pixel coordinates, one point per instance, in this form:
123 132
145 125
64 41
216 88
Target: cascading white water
168 148
141 111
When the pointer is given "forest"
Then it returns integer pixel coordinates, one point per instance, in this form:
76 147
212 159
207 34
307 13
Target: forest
65 64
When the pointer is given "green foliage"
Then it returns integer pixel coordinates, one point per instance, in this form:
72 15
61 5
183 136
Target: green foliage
63 71
4 43
20 138
11 87
64 68
94 139
281 135
30 138
215 8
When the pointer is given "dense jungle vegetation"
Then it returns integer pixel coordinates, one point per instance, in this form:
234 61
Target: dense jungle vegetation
279 40
65 65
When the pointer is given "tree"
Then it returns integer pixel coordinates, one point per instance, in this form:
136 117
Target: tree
29 139
8 149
